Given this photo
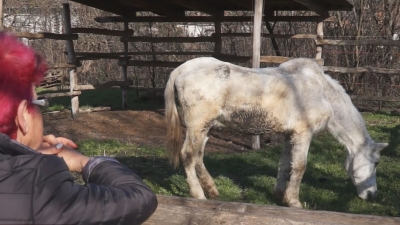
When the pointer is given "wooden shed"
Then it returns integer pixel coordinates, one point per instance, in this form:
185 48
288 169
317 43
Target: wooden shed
175 11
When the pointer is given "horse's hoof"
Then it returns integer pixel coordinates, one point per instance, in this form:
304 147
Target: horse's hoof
213 194
295 204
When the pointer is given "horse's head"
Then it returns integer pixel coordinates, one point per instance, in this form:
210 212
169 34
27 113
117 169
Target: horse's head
361 167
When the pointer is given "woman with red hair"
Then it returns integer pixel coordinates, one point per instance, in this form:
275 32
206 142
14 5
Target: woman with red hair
36 186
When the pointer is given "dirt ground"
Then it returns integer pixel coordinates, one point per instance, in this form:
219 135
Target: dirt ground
141 128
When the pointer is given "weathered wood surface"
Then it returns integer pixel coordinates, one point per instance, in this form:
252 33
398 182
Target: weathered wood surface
168 39
284 36
376 98
61 94
107 84
63 65
119 54
44 35
361 70
127 32
357 42
208 19
176 210
282 59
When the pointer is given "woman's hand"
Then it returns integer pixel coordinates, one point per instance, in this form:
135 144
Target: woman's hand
50 140
64 148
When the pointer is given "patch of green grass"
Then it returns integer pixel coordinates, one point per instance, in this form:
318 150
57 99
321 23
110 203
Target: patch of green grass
251 176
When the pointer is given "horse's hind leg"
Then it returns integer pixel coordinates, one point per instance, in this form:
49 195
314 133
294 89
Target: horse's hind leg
192 148
284 169
300 145
206 180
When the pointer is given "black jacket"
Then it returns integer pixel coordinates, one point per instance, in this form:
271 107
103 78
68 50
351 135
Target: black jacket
39 189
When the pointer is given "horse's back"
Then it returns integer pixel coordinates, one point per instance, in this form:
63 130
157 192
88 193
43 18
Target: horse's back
249 99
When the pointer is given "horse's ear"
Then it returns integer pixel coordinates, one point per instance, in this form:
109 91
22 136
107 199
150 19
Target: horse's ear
379 146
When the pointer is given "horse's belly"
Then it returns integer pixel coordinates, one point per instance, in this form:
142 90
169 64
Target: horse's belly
249 121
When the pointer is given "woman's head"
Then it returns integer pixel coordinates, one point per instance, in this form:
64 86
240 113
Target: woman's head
21 69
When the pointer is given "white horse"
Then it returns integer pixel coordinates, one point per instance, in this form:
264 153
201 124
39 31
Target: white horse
295 99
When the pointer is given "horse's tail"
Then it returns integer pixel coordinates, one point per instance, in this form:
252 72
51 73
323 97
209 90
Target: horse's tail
174 127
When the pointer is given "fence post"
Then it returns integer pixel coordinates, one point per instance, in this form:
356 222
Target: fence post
320 36
258 7
125 67
71 60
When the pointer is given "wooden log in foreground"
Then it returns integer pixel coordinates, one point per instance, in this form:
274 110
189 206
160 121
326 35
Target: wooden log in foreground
176 210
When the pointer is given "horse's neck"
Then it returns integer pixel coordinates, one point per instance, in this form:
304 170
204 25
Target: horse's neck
349 128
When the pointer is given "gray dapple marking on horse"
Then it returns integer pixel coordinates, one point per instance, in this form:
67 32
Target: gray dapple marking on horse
295 99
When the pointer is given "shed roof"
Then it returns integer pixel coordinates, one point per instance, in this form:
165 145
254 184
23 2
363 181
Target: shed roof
174 8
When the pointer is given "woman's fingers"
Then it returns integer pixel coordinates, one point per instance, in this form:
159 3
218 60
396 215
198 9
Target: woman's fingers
52 140
52 150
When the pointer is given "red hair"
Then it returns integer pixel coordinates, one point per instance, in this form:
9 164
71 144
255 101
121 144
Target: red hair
20 68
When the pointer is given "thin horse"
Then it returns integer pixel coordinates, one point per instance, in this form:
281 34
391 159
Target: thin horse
295 99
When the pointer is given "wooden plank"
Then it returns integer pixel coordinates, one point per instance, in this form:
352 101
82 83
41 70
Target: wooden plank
357 42
285 36
150 63
62 65
217 34
45 35
95 109
195 5
173 210
314 6
282 59
232 58
320 36
83 58
108 84
365 69
61 94
376 98
119 54
257 25
208 19
1 16
71 59
168 39
160 8
80 30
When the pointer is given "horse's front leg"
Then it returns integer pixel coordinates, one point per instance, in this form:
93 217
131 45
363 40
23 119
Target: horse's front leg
190 154
300 144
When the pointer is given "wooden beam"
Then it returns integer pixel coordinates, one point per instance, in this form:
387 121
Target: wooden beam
375 98
44 35
62 94
314 6
282 59
284 36
168 39
1 15
156 7
119 54
366 69
128 32
195 5
173 210
257 25
358 42
107 84
208 19
71 59
63 65
150 63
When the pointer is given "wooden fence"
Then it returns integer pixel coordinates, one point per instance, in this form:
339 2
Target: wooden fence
176 211
124 58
